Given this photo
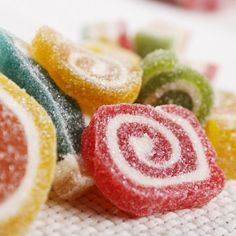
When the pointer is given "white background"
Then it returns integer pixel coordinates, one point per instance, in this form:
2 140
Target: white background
213 34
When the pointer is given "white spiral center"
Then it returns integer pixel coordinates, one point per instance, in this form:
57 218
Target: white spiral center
100 70
143 147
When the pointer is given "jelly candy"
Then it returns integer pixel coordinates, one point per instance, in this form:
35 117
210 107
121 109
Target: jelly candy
221 130
158 62
108 32
181 85
159 36
27 158
147 160
94 74
16 63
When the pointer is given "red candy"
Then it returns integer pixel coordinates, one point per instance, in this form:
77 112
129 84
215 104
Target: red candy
147 160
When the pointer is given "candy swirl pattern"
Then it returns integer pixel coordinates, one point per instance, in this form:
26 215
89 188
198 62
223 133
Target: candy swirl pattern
148 160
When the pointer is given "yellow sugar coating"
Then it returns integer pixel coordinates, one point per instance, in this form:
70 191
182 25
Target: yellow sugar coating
18 223
221 130
93 74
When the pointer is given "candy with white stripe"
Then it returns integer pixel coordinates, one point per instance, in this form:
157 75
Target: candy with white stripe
179 85
148 160
93 74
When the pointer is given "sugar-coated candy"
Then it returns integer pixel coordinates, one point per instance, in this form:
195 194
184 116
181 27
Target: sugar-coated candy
181 85
94 74
16 63
147 160
108 32
159 36
27 158
221 130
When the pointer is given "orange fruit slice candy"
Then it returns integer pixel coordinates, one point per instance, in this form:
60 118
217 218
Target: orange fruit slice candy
27 158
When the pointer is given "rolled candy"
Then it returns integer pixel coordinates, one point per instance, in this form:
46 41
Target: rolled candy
160 36
180 85
16 63
27 158
221 130
94 74
147 160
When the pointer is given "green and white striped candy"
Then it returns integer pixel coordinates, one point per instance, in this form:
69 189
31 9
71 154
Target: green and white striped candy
179 85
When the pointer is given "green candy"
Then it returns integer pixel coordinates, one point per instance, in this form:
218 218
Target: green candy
145 43
157 62
17 65
180 85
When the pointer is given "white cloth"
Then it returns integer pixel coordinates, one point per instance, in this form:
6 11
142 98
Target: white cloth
94 215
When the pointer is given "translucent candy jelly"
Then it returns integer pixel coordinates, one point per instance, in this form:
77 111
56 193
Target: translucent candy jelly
27 158
17 64
147 160
165 81
221 130
94 74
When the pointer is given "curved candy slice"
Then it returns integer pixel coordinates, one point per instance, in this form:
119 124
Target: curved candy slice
94 74
27 158
148 160
159 36
181 85
221 130
16 63
158 62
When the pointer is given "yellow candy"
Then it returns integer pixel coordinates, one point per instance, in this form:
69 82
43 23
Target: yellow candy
94 74
221 130
28 158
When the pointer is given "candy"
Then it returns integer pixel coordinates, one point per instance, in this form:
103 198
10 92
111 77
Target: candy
221 130
147 160
159 36
27 158
16 63
181 85
94 74
108 32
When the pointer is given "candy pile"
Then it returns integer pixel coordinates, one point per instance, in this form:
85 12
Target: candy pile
148 157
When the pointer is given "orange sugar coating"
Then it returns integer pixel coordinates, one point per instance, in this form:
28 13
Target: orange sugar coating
93 73
221 130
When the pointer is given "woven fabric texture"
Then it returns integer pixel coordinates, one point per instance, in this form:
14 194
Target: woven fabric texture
94 215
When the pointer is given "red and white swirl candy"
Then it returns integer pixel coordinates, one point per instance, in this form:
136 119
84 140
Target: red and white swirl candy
148 160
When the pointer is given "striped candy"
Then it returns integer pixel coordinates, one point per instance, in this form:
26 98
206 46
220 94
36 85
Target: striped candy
17 64
167 82
148 160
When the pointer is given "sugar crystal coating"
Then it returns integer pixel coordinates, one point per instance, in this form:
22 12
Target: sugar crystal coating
221 130
16 63
179 85
94 74
27 158
13 152
147 160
